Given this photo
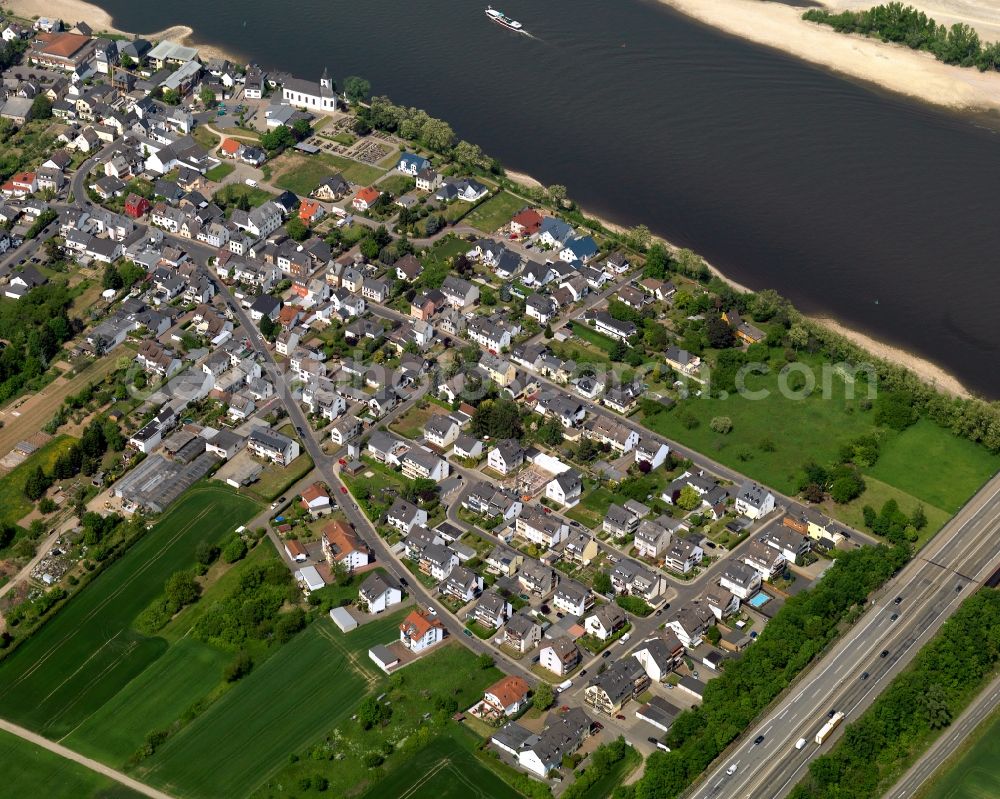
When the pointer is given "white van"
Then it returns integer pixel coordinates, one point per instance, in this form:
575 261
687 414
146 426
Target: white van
800 743
251 182
565 685
732 769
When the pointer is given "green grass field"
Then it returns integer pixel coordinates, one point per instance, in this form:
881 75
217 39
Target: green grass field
353 171
219 173
397 184
593 507
88 653
935 466
14 505
495 212
30 771
275 480
187 671
304 689
976 773
444 769
604 786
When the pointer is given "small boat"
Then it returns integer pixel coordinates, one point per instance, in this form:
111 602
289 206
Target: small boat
502 19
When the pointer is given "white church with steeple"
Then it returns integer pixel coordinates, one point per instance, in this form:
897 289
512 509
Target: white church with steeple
312 96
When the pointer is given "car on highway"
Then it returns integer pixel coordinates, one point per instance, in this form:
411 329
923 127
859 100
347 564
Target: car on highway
893 617
800 743
958 587
732 769
864 676
758 740
343 490
884 653
832 713
897 600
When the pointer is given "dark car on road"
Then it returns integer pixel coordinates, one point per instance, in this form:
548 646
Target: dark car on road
758 740
884 654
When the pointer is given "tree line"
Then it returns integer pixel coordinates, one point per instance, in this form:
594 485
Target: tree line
797 634
912 711
894 22
83 456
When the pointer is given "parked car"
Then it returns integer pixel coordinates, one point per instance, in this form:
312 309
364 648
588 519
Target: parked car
620 717
343 490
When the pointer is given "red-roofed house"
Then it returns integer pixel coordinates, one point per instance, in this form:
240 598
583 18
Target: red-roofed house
365 198
21 185
505 697
136 206
295 551
526 223
420 631
231 148
341 544
316 500
310 211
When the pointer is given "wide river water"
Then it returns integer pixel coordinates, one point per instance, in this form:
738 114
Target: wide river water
852 202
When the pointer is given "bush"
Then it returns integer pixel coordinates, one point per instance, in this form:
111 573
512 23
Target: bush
239 667
234 550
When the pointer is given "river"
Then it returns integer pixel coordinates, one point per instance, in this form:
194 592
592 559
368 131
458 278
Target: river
852 202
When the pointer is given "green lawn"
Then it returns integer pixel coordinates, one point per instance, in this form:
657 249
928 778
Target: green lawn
397 184
935 466
88 652
306 688
219 173
976 773
254 195
187 671
604 786
495 212
31 771
590 335
353 171
14 505
303 178
593 507
437 260
275 480
447 768
411 424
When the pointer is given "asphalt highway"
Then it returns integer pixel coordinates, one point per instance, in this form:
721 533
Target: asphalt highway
930 588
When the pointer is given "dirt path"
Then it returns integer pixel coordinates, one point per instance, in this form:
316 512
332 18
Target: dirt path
27 415
86 762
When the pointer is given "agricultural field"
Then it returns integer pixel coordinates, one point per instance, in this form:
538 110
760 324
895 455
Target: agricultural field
187 671
975 774
39 772
495 212
446 768
89 652
306 688
450 677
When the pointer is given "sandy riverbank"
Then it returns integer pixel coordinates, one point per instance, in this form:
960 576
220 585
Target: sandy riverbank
894 67
73 11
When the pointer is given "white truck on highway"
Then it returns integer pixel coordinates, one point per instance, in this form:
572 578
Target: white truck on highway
830 726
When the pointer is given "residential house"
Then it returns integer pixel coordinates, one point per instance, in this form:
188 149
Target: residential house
404 516
342 545
463 584
623 681
316 500
621 438
365 199
634 579
682 556
617 329
690 622
580 547
754 501
438 561
791 544
619 523
542 529
508 696
572 597
441 430
492 610
659 656
536 578
504 561
560 656
460 294
738 578
506 456
649 450
420 631
565 488
272 446
522 633
766 560
420 462
379 591
604 622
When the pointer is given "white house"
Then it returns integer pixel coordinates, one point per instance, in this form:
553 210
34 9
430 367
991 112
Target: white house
565 488
420 631
605 621
380 591
754 501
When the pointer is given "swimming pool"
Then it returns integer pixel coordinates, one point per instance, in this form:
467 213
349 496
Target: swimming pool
760 599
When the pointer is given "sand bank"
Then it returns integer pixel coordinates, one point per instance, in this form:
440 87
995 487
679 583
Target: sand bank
893 67
925 370
73 11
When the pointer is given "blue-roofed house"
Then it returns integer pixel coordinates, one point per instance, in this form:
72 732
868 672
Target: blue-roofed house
554 232
582 249
411 164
